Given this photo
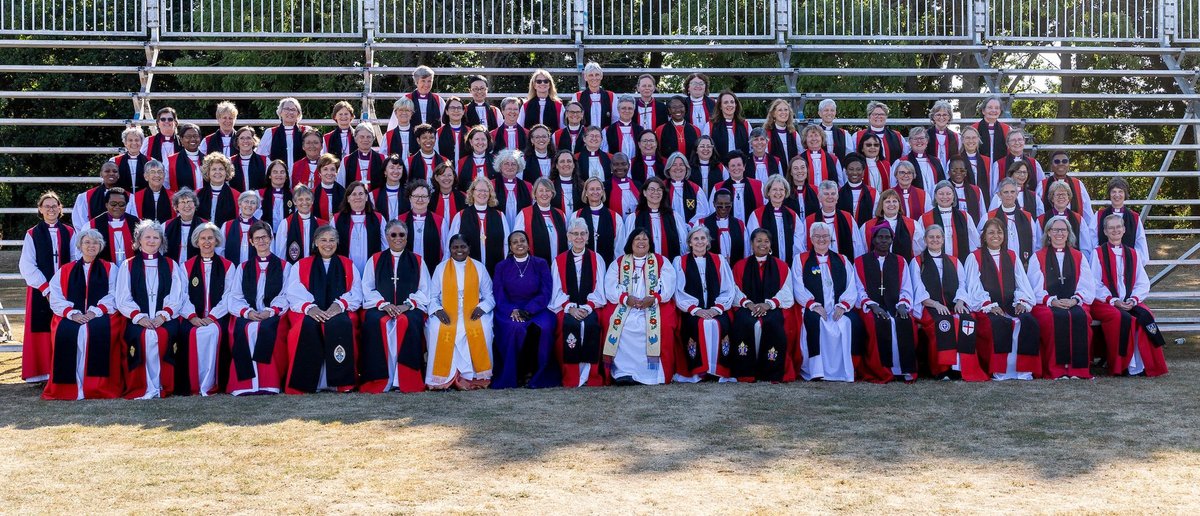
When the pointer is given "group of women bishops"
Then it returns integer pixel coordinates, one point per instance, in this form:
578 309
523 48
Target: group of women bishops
607 239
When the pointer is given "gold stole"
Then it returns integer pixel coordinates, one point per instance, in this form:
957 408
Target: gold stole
653 332
447 335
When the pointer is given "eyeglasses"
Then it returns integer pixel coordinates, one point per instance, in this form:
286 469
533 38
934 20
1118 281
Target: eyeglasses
397 235
166 120
541 81
1062 161
117 204
261 238
1057 230
870 145
419 197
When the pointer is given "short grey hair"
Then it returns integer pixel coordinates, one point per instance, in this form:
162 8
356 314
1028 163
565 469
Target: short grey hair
403 103
1051 221
827 103
578 223
941 105
142 228
507 155
154 164
250 194
95 234
184 194
289 100
626 99
207 226
819 226
592 66
828 185
775 179
422 72
678 156
875 104
945 183
132 130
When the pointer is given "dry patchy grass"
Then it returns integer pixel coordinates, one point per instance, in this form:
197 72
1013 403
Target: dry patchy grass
1107 445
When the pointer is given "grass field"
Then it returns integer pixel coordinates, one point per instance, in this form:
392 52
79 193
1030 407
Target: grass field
1108 445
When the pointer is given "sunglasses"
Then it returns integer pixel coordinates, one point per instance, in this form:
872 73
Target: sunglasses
397 235
1063 161
117 204
541 81
166 120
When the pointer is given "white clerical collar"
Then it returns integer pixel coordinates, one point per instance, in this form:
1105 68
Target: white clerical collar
480 207
326 186
396 254
522 259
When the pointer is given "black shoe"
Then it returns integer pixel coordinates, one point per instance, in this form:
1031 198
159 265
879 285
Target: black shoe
624 381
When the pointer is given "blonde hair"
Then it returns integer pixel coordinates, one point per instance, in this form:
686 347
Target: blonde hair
216 158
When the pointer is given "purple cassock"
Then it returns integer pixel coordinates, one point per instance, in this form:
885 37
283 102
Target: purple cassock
523 352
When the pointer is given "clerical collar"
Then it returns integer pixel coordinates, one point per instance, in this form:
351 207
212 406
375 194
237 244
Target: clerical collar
192 154
876 129
357 213
364 155
522 259
396 254
246 220
207 260
326 185
761 259
1059 250
855 186
264 259
828 214
420 96
304 216
827 127
480 207
146 256
935 255
994 252
245 156
1008 210
578 254
427 156
391 189
879 254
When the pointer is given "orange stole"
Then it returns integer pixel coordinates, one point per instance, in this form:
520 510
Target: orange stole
446 337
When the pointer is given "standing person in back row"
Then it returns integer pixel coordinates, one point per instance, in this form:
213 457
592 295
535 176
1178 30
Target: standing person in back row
284 141
598 103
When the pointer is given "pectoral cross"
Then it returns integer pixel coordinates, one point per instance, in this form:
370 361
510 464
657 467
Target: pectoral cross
1061 278
394 280
881 289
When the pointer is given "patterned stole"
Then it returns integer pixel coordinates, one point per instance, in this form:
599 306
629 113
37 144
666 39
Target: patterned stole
653 331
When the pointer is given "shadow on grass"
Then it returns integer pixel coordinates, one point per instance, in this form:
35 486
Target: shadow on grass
1058 428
